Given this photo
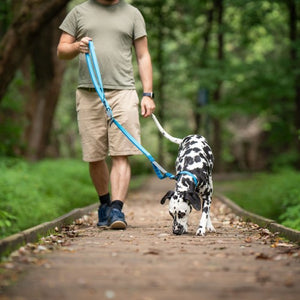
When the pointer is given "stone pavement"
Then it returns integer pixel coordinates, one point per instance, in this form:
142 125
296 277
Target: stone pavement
145 261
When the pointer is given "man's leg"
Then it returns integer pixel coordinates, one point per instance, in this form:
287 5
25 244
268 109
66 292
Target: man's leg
100 177
119 179
125 105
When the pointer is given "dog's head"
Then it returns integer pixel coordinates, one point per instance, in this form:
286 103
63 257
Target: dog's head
180 207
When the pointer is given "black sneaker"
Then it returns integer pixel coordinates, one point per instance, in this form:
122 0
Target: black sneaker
103 213
116 219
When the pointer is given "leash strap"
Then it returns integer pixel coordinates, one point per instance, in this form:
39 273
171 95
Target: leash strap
93 68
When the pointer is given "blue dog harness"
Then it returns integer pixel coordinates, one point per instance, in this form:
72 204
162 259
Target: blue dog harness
93 68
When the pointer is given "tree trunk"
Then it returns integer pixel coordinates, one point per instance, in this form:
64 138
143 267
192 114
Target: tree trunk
33 16
48 72
217 139
294 56
202 61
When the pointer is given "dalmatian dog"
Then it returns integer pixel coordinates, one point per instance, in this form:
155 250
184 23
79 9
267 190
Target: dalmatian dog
194 166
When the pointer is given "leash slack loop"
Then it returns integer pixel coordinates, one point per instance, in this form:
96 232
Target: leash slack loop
95 74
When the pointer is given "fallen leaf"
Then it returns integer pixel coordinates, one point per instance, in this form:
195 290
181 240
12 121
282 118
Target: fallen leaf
79 221
248 240
152 252
287 245
262 256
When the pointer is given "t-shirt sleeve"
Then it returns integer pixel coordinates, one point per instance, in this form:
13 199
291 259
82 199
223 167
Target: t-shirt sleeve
69 24
139 29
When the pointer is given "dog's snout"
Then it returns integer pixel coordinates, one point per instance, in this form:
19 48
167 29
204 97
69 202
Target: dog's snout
178 229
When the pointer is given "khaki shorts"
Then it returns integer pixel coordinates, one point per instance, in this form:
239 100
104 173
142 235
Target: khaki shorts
98 138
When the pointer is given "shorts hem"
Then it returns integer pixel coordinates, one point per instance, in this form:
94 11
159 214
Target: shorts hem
125 153
93 159
111 154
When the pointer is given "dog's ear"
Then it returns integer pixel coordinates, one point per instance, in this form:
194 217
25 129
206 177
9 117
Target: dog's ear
168 195
193 199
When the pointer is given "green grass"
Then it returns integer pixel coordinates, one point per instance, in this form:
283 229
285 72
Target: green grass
272 195
33 193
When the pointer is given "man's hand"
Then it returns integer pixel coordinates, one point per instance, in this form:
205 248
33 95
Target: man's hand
68 47
147 106
84 45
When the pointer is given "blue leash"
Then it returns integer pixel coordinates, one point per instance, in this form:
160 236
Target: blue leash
96 79
92 64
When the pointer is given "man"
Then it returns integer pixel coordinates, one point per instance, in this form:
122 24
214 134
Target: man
114 26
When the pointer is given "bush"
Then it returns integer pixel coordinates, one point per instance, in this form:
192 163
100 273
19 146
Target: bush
275 196
291 217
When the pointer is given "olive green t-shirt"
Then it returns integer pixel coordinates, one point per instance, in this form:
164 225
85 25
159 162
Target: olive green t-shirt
113 29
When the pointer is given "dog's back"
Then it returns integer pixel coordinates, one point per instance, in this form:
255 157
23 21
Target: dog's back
195 155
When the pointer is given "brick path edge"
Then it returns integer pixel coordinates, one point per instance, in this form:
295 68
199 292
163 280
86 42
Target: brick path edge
288 233
32 235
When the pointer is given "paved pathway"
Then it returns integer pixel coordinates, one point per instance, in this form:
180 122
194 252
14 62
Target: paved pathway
144 262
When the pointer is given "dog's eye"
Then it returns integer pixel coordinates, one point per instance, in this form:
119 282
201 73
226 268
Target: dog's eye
181 215
171 215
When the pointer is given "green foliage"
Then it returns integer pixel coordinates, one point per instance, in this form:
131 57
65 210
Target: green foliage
291 217
5 16
257 77
11 120
272 195
6 219
34 193
256 73
291 204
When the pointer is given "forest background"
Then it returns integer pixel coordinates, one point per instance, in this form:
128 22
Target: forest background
226 69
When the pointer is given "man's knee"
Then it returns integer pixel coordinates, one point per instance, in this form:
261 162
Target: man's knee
121 164
120 160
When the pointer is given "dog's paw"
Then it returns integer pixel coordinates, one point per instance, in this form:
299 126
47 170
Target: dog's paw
211 228
200 231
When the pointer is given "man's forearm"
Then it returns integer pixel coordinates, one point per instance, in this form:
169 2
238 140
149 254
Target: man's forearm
145 70
68 51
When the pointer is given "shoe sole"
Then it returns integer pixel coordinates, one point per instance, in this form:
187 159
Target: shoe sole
118 225
102 226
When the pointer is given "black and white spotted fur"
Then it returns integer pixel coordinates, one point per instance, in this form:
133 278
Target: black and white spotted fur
196 157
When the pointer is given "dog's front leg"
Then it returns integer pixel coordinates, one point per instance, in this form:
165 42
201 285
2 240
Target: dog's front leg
205 218
209 225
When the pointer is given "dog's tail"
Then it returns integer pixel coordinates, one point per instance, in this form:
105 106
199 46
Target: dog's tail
164 133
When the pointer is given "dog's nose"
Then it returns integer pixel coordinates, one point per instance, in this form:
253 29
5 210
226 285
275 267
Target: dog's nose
178 229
